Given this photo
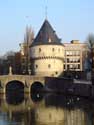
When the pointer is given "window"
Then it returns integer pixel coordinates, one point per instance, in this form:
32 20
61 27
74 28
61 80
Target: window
68 67
71 66
53 49
68 60
36 66
78 60
78 53
39 49
67 53
64 66
70 53
78 66
49 66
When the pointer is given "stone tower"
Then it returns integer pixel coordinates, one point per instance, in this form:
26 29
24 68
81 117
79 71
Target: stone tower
47 52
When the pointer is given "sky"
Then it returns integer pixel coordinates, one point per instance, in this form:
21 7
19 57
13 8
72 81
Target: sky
71 19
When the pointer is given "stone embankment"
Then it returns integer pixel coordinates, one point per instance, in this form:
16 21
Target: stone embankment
70 87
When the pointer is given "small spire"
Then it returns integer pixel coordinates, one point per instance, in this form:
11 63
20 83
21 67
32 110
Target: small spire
46 10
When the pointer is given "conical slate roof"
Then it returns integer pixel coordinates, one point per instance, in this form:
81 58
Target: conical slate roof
46 36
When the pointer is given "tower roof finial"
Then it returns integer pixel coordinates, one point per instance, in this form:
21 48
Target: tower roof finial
46 10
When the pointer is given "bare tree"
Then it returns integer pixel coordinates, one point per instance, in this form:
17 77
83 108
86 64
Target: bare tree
90 43
7 54
28 39
29 36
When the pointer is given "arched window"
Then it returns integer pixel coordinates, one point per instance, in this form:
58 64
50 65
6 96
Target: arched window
39 49
49 65
53 49
36 66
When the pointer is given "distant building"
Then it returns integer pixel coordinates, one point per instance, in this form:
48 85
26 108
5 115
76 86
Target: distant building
75 55
13 60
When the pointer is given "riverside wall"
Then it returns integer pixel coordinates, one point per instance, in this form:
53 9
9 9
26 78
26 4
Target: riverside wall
67 86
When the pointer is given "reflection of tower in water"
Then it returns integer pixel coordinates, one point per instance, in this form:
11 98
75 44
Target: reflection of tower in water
51 116
62 114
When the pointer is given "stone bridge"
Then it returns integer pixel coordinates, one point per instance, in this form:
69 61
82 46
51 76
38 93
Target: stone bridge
26 80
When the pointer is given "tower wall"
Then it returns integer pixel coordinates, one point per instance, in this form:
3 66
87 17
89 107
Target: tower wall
47 60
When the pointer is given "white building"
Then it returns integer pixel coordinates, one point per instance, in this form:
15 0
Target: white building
47 52
75 55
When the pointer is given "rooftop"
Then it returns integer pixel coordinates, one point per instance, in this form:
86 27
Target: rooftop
46 35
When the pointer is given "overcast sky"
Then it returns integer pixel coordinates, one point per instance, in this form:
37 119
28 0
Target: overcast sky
71 19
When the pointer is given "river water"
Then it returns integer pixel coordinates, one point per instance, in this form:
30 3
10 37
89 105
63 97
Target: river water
45 109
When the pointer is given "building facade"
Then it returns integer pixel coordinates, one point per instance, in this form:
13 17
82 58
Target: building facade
46 55
75 55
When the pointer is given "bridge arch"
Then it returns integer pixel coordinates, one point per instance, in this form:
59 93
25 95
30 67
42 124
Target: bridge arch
26 81
14 86
36 87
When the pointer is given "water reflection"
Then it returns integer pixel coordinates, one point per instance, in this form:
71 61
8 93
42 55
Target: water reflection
50 109
15 98
66 101
37 96
65 110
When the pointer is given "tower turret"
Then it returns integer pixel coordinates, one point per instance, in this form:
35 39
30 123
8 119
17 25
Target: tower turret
47 52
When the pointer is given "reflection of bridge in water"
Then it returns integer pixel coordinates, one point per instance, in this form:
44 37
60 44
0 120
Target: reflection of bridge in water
26 81
53 109
24 104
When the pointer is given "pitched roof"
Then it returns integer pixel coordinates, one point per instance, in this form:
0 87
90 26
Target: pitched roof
46 36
